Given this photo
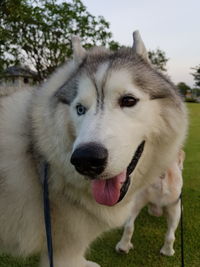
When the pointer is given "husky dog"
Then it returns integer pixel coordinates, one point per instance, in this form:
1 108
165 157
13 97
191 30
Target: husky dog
163 194
107 123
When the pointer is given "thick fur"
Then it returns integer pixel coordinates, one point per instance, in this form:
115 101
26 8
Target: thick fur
43 124
162 195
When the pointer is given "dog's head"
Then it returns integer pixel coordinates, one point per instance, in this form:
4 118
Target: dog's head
120 115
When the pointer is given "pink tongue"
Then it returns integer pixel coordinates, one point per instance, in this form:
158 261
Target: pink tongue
107 192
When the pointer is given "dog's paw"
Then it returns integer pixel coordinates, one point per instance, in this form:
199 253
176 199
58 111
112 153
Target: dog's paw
92 264
123 247
167 251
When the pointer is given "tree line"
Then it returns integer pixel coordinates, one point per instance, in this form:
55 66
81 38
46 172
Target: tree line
38 32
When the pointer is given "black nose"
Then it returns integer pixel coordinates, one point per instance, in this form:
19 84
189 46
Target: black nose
90 159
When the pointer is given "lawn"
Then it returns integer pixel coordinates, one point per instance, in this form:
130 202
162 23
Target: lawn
149 232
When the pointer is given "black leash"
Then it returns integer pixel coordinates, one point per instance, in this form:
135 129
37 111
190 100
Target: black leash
182 234
47 213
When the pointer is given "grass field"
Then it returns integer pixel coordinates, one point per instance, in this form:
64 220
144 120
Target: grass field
149 232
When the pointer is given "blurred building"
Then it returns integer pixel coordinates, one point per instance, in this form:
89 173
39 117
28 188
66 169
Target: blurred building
16 78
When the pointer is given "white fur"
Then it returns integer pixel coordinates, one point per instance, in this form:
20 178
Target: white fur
76 218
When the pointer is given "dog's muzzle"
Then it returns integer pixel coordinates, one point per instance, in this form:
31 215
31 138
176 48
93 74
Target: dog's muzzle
90 159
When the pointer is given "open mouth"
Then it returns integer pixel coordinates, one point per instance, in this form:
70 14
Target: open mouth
111 191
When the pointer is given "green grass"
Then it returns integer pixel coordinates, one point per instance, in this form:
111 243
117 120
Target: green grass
149 233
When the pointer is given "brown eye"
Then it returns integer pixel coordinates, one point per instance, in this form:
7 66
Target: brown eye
128 101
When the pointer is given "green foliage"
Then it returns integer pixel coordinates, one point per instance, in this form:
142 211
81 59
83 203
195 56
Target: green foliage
7 7
158 59
196 92
196 75
38 32
183 88
190 100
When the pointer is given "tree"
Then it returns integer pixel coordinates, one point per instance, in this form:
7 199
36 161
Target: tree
38 32
6 35
196 75
183 88
196 92
158 59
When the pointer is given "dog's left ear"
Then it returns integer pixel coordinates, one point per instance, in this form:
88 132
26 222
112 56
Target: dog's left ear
139 47
78 51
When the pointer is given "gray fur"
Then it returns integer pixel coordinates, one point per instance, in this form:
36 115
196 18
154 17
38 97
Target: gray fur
53 130
67 92
157 87
139 47
125 58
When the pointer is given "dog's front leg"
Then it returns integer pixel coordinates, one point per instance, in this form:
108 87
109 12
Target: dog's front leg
124 245
66 260
173 216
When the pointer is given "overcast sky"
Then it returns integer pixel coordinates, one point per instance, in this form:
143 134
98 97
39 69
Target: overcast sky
171 25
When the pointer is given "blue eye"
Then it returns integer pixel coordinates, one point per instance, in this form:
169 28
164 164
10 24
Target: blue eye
80 109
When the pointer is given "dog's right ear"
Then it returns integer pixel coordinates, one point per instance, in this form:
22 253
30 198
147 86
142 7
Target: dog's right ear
139 47
79 52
